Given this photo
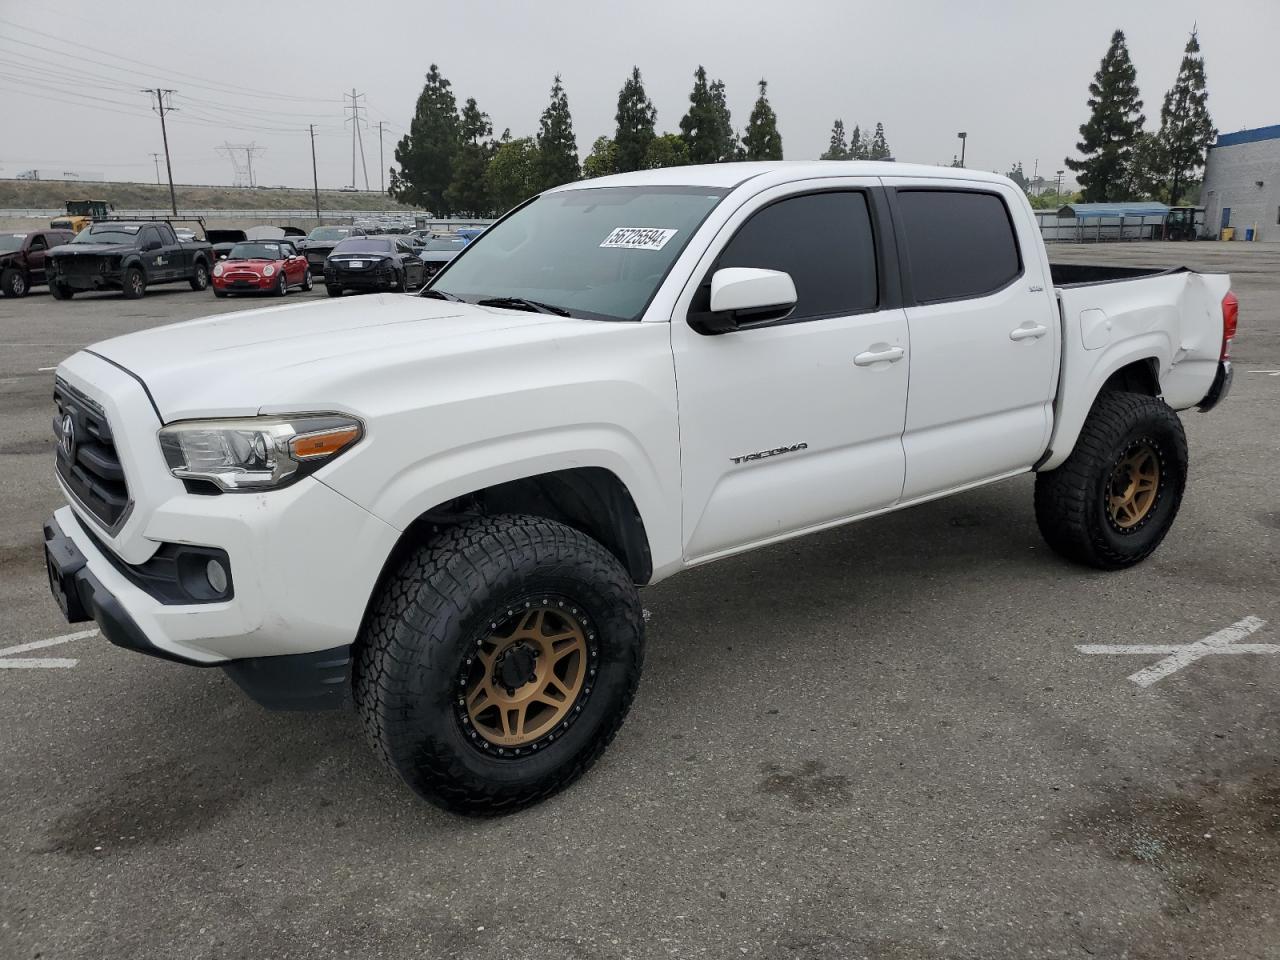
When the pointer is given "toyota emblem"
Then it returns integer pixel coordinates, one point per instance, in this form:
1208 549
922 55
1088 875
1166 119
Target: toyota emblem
67 439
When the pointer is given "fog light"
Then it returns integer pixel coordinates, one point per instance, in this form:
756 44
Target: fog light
217 575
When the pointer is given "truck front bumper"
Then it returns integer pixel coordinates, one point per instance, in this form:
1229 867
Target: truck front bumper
1220 388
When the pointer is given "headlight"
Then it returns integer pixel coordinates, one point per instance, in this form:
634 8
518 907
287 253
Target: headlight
256 453
217 269
268 270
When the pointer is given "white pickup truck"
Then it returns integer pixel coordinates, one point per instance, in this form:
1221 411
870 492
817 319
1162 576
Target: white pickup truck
441 506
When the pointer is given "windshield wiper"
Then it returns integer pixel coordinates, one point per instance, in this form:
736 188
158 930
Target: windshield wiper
521 303
440 295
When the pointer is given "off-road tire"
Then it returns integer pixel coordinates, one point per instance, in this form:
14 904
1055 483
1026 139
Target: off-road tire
13 283
134 284
428 619
59 292
199 277
1071 500
333 291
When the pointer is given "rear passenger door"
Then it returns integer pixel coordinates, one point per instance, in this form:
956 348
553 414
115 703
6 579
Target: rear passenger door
798 423
154 261
984 334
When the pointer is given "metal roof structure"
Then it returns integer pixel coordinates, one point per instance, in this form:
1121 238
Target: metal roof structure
1247 136
1094 211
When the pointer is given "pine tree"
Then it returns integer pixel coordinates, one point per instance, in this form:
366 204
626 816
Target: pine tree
1185 128
602 160
425 154
668 150
859 149
557 146
1017 176
1147 173
512 175
762 140
879 146
725 140
467 192
697 126
636 117
1106 140
839 148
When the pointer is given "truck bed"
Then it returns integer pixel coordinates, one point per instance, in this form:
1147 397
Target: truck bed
1081 274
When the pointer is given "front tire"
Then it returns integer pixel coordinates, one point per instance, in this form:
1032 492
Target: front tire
332 290
13 283
1111 503
498 662
200 277
60 292
282 285
307 281
219 293
135 284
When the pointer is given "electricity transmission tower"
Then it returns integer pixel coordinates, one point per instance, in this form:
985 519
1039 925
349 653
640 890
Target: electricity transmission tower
243 167
356 122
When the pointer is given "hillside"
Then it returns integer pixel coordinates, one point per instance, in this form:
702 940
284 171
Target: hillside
51 194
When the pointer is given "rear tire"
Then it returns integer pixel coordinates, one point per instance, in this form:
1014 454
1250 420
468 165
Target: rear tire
13 283
200 277
135 284
432 651
1111 503
333 291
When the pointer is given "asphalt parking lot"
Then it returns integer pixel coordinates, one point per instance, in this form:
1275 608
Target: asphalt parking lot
878 742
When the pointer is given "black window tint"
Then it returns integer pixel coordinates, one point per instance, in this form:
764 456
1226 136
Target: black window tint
960 243
824 241
150 235
38 243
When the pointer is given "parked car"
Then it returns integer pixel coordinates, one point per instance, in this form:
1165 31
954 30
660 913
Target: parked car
436 253
185 233
261 266
224 240
321 241
370 264
22 259
443 505
128 256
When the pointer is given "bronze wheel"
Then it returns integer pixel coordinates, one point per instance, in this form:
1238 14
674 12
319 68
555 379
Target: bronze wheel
1134 487
528 677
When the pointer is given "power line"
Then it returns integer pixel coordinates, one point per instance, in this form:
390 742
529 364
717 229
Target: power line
355 120
162 108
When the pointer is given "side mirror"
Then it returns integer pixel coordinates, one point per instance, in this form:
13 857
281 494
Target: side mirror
746 297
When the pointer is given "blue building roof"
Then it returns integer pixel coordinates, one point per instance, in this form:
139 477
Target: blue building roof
1248 136
1093 211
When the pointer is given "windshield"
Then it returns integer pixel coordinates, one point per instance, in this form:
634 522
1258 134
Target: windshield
10 242
363 245
108 233
444 245
329 233
598 252
256 251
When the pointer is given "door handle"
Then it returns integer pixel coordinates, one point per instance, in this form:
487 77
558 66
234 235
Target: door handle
876 356
1033 332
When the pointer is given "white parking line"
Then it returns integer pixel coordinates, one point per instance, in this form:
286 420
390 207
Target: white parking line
45 369
1179 655
9 662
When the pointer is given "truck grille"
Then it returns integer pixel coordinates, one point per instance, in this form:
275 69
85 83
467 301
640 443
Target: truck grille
86 457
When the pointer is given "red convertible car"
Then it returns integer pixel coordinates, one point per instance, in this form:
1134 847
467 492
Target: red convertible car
261 266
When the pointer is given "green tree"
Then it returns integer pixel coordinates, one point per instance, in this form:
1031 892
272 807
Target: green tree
557 146
762 140
603 159
636 117
1017 176
1146 175
839 147
1106 140
879 146
1185 128
467 192
513 174
859 148
668 150
426 153
706 128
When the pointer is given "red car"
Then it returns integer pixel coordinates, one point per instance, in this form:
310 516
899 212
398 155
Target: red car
261 266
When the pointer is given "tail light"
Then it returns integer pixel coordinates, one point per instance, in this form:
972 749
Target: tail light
1230 316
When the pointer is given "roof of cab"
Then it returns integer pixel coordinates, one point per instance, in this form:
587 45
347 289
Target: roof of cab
730 175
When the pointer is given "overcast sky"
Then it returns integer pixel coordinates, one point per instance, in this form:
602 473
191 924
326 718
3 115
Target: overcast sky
1012 73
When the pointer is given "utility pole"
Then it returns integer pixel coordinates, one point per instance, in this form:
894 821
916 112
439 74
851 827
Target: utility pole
964 138
1060 173
156 158
356 135
382 167
162 108
315 179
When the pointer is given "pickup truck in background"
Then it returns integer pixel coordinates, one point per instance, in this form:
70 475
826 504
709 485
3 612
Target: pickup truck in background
129 256
22 259
442 506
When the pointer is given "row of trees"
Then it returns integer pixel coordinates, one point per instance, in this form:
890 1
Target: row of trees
857 146
450 162
1120 159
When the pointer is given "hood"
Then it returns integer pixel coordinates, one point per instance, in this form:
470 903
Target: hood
255 264
89 249
319 355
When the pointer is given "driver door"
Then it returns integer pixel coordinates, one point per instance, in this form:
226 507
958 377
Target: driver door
35 258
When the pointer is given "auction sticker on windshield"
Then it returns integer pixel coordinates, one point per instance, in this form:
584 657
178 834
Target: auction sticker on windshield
639 238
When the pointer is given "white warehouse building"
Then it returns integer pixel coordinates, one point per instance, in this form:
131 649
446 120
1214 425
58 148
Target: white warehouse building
1242 184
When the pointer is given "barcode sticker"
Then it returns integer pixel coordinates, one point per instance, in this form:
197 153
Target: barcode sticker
639 238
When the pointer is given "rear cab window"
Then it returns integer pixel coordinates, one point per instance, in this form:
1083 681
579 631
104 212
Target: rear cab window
960 243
